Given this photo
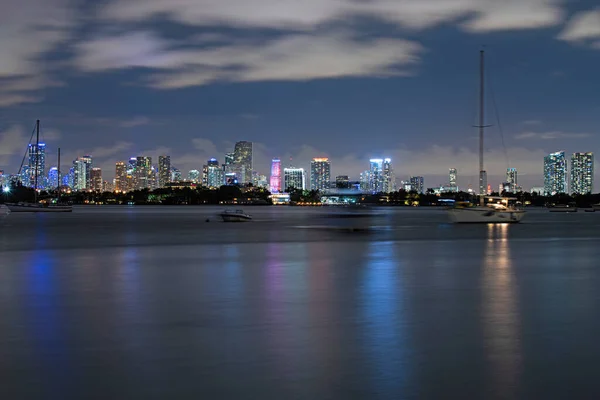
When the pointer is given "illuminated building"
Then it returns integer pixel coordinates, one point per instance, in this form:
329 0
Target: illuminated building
175 175
52 178
365 178
388 178
82 173
164 170
293 178
214 174
275 182
37 158
417 183
96 180
582 173
342 182
511 180
261 181
108 186
211 164
242 154
131 178
320 173
452 175
381 176
555 173
121 177
143 173
194 176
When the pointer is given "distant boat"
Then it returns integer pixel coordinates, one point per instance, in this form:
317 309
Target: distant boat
235 216
490 209
564 208
37 206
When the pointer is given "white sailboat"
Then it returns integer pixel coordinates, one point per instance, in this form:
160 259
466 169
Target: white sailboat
490 209
37 206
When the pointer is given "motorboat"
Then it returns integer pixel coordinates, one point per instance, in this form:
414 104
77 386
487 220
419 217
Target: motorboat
494 210
235 216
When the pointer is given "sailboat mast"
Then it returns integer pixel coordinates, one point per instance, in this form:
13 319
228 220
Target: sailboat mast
482 180
37 157
58 183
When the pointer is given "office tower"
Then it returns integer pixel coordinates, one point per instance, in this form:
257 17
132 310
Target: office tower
275 181
96 180
511 180
153 179
242 155
164 170
262 182
52 178
37 158
229 158
82 173
417 183
69 178
121 177
388 183
320 173
342 182
194 176
365 179
555 173
293 178
211 164
582 173
108 186
131 174
452 175
175 175
214 174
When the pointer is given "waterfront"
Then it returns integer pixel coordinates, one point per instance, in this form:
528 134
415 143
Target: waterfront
155 302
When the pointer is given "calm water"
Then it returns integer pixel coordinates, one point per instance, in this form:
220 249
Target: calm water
155 302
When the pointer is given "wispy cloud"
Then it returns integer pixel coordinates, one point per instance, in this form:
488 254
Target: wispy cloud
583 27
551 135
133 122
532 122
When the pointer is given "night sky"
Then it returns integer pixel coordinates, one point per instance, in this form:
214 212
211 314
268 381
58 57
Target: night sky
347 79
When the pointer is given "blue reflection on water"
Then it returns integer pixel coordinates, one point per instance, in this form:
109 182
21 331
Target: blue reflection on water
385 328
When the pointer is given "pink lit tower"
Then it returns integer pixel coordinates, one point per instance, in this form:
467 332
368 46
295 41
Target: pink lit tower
275 175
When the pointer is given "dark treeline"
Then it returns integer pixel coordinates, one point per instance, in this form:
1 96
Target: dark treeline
253 195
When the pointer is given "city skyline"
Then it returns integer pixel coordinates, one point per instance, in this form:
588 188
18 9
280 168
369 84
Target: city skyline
312 79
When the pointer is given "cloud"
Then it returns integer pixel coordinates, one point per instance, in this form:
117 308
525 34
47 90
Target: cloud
532 122
13 142
474 15
552 135
133 122
582 27
105 152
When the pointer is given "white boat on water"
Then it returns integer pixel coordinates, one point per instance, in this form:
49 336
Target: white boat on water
490 209
38 207
235 216
494 210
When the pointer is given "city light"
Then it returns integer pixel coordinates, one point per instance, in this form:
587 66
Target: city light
6 189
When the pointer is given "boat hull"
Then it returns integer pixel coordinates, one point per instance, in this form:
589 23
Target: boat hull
35 208
564 209
235 218
485 215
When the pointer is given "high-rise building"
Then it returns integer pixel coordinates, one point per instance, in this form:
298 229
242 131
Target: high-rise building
175 175
388 183
320 173
261 181
511 180
417 183
164 170
381 176
342 182
121 177
96 180
131 174
452 175
194 176
582 173
365 181
144 175
37 159
214 174
52 178
555 173
82 173
293 178
275 181
243 162
211 164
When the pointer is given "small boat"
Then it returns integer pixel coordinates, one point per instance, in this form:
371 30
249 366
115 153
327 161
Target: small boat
564 208
235 216
590 210
38 207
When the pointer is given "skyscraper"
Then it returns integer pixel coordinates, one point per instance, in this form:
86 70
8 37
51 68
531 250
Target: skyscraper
555 173
243 162
121 177
381 175
417 183
452 174
214 174
275 181
388 183
175 175
82 173
164 170
96 180
511 179
342 182
293 178
143 173
52 178
582 173
320 173
194 176
37 158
